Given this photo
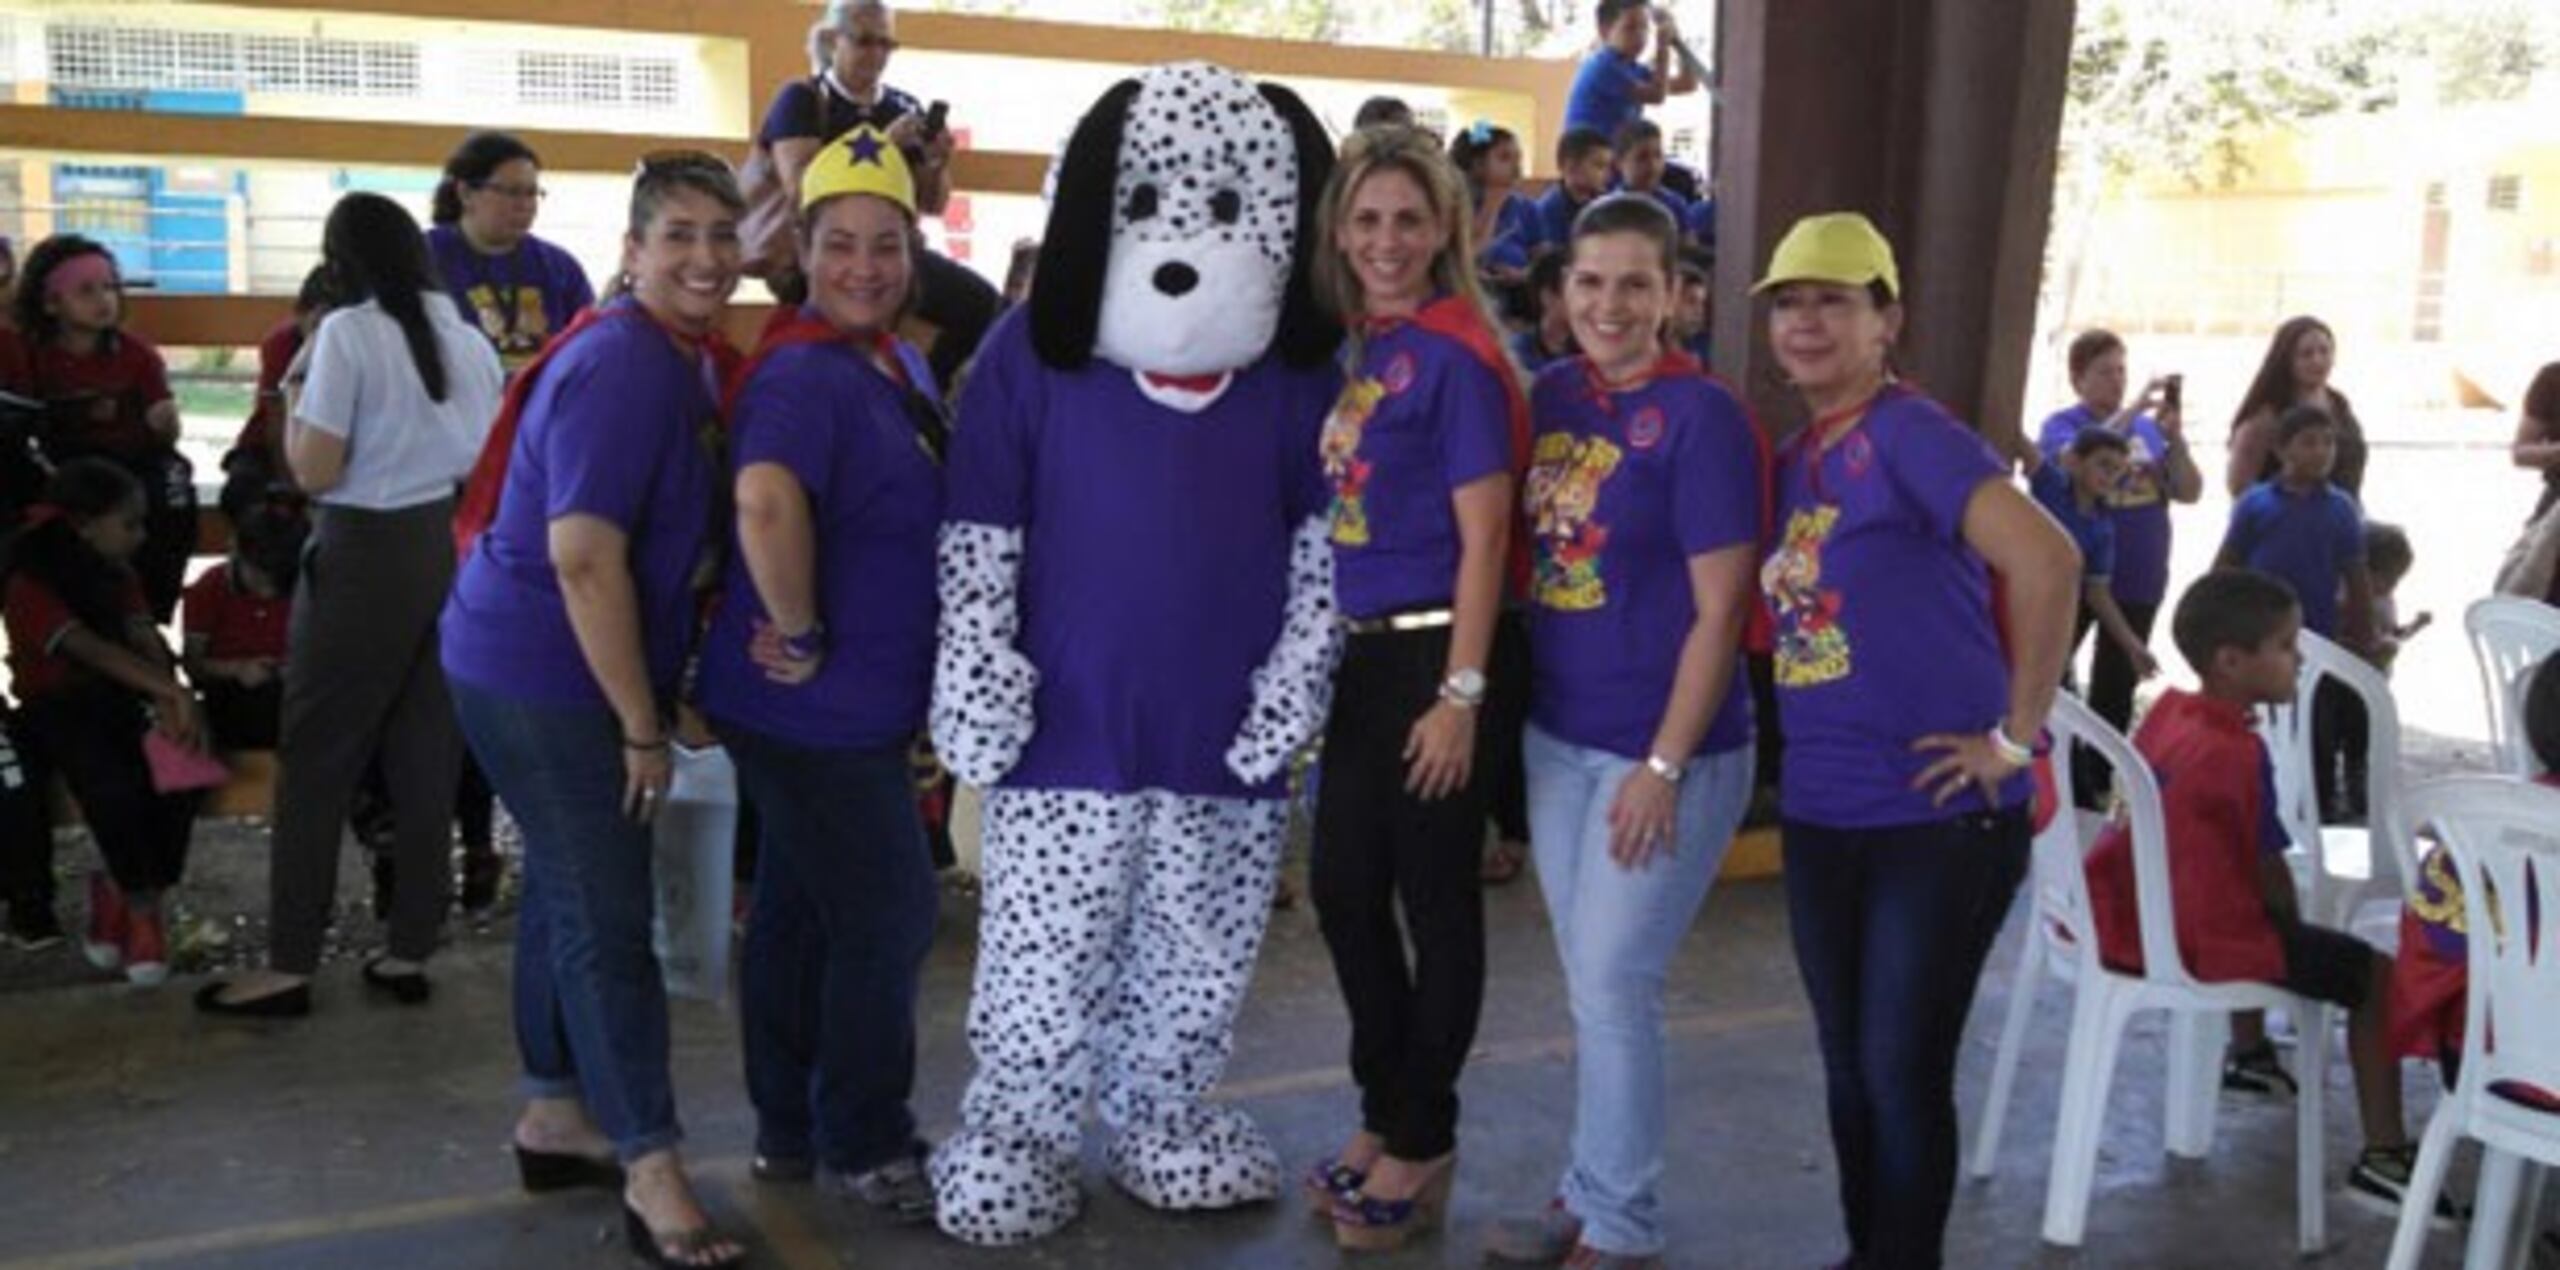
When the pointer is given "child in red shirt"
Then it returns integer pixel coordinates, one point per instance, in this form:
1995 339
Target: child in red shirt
2433 971
92 678
107 394
235 620
2236 914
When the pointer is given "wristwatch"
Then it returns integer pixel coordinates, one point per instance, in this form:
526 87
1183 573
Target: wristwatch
1463 688
1662 767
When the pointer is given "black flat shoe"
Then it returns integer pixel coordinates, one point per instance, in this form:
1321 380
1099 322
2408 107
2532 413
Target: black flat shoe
543 1172
409 989
782 1168
291 1003
677 1249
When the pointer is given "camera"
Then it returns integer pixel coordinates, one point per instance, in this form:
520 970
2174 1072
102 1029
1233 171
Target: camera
2173 396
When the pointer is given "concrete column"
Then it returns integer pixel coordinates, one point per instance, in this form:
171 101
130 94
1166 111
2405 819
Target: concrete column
1936 118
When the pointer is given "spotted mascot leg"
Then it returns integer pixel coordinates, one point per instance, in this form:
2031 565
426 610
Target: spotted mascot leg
1203 901
1054 897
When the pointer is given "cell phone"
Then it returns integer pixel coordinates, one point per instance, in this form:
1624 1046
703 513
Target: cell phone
2175 394
935 116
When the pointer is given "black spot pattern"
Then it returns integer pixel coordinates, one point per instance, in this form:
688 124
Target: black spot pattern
1117 934
1221 161
982 684
1293 688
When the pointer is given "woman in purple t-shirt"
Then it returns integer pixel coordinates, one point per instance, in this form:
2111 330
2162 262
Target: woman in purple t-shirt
815 673
1908 703
1645 504
562 643
2159 472
517 288
1419 450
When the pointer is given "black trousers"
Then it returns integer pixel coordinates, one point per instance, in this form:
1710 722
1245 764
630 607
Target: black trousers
1506 719
26 823
244 718
1380 852
2340 732
2111 683
93 736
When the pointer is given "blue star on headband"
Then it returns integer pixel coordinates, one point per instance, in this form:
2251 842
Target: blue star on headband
865 148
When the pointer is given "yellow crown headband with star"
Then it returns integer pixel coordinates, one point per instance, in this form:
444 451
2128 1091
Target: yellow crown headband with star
862 161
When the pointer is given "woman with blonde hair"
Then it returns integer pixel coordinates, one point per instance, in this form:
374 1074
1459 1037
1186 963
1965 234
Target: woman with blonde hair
1422 451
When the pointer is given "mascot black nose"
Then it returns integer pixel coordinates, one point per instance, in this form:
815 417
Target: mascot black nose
1176 279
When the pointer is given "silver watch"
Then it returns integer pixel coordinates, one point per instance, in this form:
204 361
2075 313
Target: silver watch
1463 688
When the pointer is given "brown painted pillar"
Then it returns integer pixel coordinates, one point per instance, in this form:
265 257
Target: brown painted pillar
1936 118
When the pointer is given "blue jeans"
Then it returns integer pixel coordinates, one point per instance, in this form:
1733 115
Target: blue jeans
843 918
1616 931
1891 927
591 1010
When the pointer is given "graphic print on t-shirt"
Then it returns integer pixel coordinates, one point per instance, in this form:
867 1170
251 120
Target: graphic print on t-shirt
1344 469
2141 486
518 336
1561 492
1812 648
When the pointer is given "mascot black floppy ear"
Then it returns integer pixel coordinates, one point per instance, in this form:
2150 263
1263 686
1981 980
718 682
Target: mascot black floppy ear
1308 334
1075 250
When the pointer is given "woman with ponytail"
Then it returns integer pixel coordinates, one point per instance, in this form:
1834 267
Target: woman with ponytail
392 399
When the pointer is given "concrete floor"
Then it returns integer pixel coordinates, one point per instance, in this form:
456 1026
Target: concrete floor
134 1133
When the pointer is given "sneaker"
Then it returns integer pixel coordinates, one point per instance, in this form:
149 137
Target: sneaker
1544 1238
2380 1182
1586 1257
2257 1072
146 950
898 1188
33 927
102 941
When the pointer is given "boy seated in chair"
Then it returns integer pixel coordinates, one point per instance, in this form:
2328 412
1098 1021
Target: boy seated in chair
2234 896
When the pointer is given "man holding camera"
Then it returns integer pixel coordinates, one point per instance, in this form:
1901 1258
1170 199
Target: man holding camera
849 50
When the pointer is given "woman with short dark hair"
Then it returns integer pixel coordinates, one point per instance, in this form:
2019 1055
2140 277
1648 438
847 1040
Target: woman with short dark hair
1910 698
519 289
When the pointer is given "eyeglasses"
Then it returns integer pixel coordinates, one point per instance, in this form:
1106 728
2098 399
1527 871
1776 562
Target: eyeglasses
883 43
520 193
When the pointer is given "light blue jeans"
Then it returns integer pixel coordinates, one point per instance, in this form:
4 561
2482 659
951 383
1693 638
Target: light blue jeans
1616 930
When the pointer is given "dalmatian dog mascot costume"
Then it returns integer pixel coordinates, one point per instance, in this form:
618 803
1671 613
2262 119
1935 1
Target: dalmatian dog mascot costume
1137 631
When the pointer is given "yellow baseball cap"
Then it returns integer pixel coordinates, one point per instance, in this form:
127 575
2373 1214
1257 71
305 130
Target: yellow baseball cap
1842 247
862 161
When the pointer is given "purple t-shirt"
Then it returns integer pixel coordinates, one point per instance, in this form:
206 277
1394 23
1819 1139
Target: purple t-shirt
519 300
1419 418
839 425
2308 539
1885 631
622 426
2141 504
1623 489
1155 561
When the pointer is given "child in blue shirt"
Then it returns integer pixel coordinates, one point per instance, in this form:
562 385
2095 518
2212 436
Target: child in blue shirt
2308 532
1582 174
1637 154
2074 489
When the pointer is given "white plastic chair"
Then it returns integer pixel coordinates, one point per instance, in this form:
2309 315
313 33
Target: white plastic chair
2509 634
2064 938
2339 867
2504 835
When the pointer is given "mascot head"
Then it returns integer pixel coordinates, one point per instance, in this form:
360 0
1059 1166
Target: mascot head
1182 226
